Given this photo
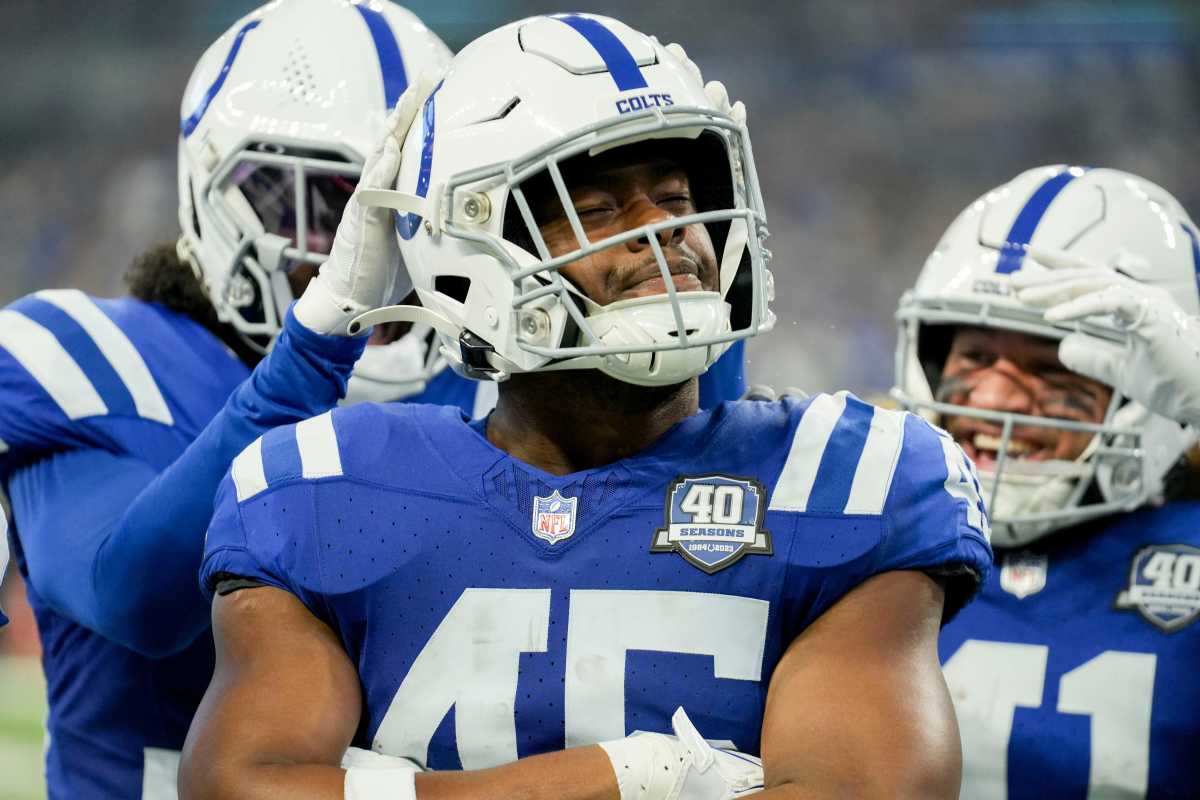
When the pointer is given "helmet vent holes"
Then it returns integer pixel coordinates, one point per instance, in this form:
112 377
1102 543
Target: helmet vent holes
297 74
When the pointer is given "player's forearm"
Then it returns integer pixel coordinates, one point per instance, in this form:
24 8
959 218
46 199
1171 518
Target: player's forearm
260 782
579 773
145 572
582 773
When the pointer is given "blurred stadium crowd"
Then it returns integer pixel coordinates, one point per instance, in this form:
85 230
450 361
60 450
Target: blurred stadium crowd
873 123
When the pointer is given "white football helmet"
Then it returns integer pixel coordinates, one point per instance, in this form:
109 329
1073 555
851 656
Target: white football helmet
516 104
277 119
1109 218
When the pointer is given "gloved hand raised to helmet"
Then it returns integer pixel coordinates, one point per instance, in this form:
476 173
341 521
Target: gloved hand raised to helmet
364 270
716 92
1159 364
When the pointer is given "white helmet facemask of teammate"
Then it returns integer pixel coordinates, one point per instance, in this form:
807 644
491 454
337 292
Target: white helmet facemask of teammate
1097 216
276 121
521 111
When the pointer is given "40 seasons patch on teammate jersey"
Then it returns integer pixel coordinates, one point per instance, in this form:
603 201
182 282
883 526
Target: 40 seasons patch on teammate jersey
1164 586
713 520
482 634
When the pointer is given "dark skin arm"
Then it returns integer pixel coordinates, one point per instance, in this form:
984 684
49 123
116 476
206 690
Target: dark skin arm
857 706
283 707
834 726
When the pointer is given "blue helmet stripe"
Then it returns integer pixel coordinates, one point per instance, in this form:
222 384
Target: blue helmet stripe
1195 251
188 125
391 62
1013 253
406 224
835 475
621 64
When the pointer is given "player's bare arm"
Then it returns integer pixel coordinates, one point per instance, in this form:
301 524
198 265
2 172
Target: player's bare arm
284 704
858 707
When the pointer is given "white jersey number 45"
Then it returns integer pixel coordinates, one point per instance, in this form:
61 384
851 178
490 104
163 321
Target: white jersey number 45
471 663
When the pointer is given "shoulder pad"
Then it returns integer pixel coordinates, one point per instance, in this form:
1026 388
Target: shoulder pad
842 459
308 450
79 357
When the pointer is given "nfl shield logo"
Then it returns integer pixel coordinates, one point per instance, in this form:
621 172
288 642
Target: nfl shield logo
554 517
1164 586
1023 574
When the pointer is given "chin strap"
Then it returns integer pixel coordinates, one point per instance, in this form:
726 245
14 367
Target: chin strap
479 360
398 201
416 314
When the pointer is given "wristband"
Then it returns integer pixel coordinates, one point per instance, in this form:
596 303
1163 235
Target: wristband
367 783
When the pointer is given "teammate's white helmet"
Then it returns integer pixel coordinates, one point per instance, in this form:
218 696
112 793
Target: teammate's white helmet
515 104
276 121
1105 217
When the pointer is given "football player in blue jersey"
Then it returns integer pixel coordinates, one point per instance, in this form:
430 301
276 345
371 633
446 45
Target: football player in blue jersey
1053 333
3 558
493 599
119 417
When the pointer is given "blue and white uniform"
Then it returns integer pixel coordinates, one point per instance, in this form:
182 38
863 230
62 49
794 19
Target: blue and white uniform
117 420
1074 672
494 611
3 557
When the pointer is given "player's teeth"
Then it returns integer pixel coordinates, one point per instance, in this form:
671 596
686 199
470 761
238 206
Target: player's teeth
985 441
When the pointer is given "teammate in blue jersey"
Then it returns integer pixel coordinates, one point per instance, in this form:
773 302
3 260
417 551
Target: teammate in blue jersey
3 559
119 417
1054 333
492 599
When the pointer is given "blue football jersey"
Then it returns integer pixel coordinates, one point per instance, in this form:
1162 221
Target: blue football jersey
102 382
1074 672
3 557
495 611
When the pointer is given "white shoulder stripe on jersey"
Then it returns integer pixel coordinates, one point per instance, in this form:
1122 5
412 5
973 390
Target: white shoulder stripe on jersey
249 478
877 464
795 482
116 347
3 446
43 357
319 457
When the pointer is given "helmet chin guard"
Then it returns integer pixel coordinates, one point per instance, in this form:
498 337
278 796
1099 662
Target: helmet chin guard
1101 215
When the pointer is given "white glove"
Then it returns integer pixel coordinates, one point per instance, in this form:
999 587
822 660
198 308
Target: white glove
714 90
1159 364
655 766
364 270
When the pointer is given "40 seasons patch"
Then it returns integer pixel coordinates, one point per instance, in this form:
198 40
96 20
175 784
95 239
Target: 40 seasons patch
713 520
1164 586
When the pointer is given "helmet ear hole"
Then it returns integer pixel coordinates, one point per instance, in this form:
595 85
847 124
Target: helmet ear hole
455 287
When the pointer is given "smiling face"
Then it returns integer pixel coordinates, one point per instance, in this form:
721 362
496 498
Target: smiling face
997 370
616 192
